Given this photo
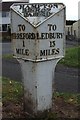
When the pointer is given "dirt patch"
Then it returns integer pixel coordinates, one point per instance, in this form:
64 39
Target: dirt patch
61 109
66 110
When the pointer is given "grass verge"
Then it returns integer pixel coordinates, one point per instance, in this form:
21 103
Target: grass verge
65 104
11 90
73 98
72 57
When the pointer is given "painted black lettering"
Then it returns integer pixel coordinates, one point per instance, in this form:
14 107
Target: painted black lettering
53 51
17 36
21 27
47 52
24 35
54 27
22 51
54 36
37 35
50 35
46 35
20 36
59 35
29 35
33 36
27 52
23 44
42 35
57 51
49 26
52 43
17 51
42 52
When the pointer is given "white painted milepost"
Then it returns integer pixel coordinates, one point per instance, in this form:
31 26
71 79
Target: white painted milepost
38 42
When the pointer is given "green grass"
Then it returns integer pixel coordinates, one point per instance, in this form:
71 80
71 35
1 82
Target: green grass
11 90
73 98
72 57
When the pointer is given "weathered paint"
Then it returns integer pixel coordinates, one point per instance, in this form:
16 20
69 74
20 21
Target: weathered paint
38 41
37 79
38 44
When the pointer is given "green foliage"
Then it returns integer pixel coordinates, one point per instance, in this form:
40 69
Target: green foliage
73 98
72 57
11 90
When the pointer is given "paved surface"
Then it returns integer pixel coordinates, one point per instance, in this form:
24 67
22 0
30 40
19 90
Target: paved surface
71 43
66 79
11 69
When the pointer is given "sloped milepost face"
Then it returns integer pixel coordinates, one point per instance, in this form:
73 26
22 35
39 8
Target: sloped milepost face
39 31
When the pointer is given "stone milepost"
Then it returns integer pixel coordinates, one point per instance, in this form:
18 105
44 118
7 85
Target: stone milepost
51 36
38 37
